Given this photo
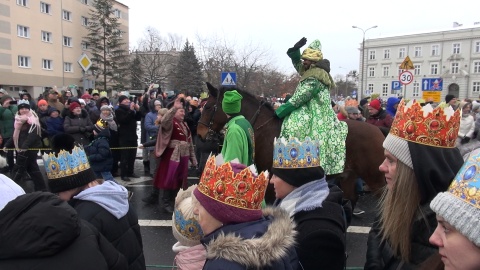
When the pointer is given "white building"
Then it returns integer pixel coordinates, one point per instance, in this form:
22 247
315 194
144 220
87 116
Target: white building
450 58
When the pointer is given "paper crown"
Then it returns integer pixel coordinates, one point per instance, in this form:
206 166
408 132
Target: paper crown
425 125
101 124
243 190
466 185
293 154
65 164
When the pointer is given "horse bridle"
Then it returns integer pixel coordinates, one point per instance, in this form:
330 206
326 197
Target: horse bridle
210 133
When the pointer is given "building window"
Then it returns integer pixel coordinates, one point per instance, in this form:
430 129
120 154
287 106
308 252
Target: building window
371 72
386 54
85 2
454 68
23 31
46 36
117 13
476 87
45 8
416 70
476 67
22 3
434 69
418 51
67 41
371 55
84 46
47 64
67 67
477 46
456 48
385 70
24 61
384 89
66 15
370 88
435 50
84 21
401 53
416 89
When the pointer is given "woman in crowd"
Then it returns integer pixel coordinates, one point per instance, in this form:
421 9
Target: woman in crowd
238 234
420 161
467 124
78 124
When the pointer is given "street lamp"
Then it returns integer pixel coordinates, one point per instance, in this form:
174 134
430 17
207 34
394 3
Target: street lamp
363 59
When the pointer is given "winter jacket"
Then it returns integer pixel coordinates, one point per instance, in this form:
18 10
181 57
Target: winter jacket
7 118
192 118
245 245
98 152
467 126
127 125
54 125
189 258
380 254
107 208
382 119
26 138
40 231
79 126
391 102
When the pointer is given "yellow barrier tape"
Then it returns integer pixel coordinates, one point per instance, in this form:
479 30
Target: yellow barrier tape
46 149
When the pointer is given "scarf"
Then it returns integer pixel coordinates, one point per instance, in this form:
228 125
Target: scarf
30 118
305 198
111 123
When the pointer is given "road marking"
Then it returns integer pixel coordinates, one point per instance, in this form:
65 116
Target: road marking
168 223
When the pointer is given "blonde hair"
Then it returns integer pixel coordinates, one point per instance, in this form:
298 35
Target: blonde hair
398 208
160 112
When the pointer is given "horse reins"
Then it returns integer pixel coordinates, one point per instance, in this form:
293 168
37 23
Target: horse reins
257 113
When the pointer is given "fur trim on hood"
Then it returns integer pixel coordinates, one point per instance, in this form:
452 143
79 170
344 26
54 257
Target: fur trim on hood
257 252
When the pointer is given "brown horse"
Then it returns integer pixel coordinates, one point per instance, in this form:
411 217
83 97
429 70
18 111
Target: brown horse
364 151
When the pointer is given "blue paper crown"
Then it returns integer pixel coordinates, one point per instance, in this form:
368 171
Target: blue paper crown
189 228
293 154
65 164
466 185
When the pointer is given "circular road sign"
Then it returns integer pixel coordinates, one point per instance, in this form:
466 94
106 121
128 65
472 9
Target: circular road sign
406 77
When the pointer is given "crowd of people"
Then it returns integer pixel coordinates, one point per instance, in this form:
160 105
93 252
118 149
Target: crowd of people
81 218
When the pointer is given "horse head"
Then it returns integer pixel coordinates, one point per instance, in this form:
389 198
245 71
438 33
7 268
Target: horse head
212 119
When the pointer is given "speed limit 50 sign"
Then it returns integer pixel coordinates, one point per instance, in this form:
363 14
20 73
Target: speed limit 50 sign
406 77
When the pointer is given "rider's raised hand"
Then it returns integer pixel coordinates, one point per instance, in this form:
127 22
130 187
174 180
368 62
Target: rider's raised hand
300 43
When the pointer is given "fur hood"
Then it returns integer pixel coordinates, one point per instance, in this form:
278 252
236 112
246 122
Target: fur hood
255 252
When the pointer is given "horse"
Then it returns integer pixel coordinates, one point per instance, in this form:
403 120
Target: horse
364 150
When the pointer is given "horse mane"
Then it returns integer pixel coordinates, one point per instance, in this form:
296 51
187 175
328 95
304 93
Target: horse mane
246 94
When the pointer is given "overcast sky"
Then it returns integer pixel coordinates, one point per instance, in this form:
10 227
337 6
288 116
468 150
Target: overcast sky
277 25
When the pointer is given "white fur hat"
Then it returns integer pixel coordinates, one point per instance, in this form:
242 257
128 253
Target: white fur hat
9 190
184 225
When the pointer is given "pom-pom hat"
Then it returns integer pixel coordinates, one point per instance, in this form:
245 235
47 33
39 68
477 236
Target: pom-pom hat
231 192
185 227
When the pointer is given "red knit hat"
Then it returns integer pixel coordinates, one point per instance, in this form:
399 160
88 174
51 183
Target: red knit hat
73 105
42 102
375 104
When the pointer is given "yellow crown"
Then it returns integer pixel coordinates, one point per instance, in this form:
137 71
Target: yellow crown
65 164
425 125
243 190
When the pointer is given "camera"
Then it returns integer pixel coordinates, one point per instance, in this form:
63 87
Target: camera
13 102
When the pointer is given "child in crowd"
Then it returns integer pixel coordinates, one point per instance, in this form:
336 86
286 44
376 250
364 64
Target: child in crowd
99 153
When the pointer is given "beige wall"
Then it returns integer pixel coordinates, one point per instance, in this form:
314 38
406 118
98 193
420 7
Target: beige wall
11 46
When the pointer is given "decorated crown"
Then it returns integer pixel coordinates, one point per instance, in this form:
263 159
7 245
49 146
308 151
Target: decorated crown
243 190
425 125
101 124
293 154
65 164
189 227
466 185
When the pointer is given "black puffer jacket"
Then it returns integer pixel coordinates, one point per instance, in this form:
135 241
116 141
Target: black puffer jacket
40 231
127 125
380 254
98 152
79 126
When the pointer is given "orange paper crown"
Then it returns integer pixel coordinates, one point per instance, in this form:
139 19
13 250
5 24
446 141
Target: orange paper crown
425 125
242 190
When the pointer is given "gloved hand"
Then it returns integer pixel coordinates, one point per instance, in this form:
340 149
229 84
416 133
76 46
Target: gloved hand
300 43
465 140
82 129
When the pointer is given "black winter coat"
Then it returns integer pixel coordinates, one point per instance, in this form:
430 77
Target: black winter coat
380 254
26 138
79 126
123 233
40 231
99 154
127 125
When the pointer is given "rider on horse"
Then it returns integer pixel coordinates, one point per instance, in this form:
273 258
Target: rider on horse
308 113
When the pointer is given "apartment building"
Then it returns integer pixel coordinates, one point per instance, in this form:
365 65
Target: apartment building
444 62
41 42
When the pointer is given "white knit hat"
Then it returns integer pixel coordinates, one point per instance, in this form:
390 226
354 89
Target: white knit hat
460 204
184 225
9 190
399 148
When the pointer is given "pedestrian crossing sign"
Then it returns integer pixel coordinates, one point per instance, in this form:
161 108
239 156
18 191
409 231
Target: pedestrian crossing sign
229 78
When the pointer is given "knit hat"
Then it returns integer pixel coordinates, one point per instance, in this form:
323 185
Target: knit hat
122 98
86 96
82 101
375 104
42 102
73 105
23 104
106 108
232 102
184 225
313 52
351 109
449 97
231 192
9 190
68 170
100 125
52 109
460 204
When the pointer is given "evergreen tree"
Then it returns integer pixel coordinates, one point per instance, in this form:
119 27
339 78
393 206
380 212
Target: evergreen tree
109 56
136 73
188 73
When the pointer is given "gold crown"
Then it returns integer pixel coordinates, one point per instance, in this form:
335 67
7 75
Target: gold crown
102 124
243 190
425 125
65 164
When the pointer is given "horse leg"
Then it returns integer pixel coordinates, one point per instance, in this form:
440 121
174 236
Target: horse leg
347 183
